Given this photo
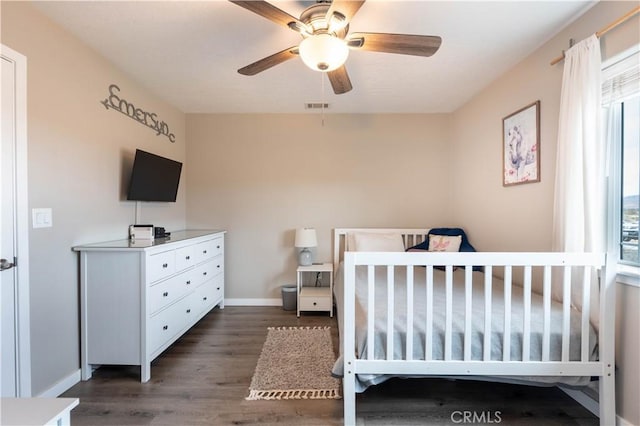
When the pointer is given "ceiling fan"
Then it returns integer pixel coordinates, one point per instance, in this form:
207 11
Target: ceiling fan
324 28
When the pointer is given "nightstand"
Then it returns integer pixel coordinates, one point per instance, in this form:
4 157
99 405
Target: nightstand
311 297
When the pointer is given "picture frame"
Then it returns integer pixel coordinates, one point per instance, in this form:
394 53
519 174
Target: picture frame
521 146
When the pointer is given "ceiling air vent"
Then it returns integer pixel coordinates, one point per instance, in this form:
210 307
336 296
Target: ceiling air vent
316 105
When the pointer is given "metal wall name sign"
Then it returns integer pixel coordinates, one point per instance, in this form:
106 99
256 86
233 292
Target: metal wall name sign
149 119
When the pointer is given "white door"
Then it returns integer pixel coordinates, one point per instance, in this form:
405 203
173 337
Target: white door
7 248
14 321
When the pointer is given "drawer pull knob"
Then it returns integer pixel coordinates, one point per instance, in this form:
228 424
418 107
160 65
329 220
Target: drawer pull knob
188 311
166 327
314 303
218 266
217 247
165 294
188 282
165 265
204 252
188 257
204 273
204 298
217 288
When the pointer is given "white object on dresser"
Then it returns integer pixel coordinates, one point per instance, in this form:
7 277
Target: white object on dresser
37 411
137 299
315 298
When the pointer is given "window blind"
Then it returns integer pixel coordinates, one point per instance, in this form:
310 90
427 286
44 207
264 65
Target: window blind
621 79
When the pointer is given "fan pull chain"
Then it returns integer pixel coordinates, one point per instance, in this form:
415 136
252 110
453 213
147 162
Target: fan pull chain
322 100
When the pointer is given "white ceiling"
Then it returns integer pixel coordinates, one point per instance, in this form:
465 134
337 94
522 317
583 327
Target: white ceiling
188 52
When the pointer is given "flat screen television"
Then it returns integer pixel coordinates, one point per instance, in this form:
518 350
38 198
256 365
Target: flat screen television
153 178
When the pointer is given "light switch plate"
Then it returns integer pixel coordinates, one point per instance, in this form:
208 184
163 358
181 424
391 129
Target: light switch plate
42 217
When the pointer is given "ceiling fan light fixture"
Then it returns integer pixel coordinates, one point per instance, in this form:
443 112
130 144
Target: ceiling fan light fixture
323 52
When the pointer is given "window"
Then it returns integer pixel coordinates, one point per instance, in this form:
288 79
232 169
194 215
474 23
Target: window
630 112
621 102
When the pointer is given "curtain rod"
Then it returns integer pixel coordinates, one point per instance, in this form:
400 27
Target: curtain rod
606 29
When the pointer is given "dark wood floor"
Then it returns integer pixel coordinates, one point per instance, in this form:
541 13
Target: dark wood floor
204 377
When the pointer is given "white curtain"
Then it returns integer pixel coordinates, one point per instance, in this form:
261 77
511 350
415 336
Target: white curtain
580 187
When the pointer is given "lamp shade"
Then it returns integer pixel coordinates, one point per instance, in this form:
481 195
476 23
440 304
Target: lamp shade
306 237
323 52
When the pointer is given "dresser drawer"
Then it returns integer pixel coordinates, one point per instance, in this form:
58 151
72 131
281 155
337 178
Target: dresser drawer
169 323
164 325
317 303
208 270
185 257
163 294
209 249
315 299
218 289
210 293
160 265
202 273
166 292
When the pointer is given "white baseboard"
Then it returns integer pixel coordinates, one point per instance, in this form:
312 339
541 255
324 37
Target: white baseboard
61 386
253 302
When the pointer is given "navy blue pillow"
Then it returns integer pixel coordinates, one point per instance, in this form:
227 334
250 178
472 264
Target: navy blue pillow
450 232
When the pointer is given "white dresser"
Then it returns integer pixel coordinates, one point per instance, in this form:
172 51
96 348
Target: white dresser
138 297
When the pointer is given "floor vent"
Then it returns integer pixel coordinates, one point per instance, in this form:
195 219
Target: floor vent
316 105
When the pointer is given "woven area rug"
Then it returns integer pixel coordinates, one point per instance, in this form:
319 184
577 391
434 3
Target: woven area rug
295 363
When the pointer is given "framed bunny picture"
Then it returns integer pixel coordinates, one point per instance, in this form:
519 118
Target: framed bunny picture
521 146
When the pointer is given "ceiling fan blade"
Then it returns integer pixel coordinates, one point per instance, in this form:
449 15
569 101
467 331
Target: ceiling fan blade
346 8
404 44
340 80
272 13
269 61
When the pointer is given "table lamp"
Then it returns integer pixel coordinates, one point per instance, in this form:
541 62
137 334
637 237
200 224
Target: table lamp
305 238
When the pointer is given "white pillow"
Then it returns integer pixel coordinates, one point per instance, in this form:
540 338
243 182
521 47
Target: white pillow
444 242
350 242
370 241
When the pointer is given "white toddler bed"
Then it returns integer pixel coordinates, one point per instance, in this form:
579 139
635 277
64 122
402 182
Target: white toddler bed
448 318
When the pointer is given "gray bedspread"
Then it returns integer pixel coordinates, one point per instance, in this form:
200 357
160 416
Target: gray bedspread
517 309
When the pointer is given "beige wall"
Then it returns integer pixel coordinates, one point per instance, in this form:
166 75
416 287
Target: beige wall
628 353
520 217
80 156
262 176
